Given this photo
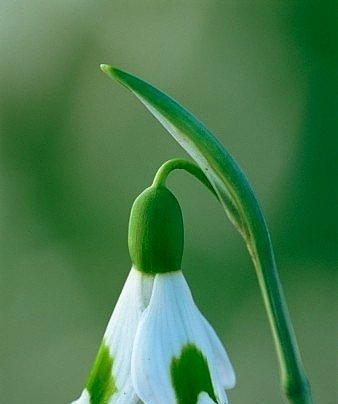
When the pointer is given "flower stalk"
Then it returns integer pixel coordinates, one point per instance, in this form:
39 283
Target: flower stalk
240 203
181 164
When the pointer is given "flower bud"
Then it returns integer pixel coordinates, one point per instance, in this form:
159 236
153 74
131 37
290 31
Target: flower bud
156 234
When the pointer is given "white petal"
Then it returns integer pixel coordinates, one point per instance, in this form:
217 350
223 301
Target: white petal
222 364
83 399
170 322
121 329
203 398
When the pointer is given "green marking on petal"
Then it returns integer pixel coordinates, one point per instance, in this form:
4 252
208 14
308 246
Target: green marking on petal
101 385
190 375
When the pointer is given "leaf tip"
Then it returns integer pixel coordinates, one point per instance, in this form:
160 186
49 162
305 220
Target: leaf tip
111 71
106 68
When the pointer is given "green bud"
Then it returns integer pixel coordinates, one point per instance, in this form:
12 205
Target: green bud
156 234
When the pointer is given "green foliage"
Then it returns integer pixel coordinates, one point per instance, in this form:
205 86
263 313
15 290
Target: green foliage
190 375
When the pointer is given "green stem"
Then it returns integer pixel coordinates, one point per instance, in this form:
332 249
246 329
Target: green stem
181 164
294 381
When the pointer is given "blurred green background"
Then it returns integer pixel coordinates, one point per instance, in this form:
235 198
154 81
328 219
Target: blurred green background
76 149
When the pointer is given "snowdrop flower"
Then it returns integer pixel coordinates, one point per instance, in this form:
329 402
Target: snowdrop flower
158 348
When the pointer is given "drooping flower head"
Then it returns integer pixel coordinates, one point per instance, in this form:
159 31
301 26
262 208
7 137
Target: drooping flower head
158 348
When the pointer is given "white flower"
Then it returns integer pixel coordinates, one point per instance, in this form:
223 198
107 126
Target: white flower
158 348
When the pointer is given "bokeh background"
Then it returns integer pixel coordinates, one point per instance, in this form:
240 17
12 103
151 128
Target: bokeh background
76 149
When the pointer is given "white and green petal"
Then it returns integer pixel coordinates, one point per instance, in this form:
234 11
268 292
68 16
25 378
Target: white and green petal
121 330
176 354
110 378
